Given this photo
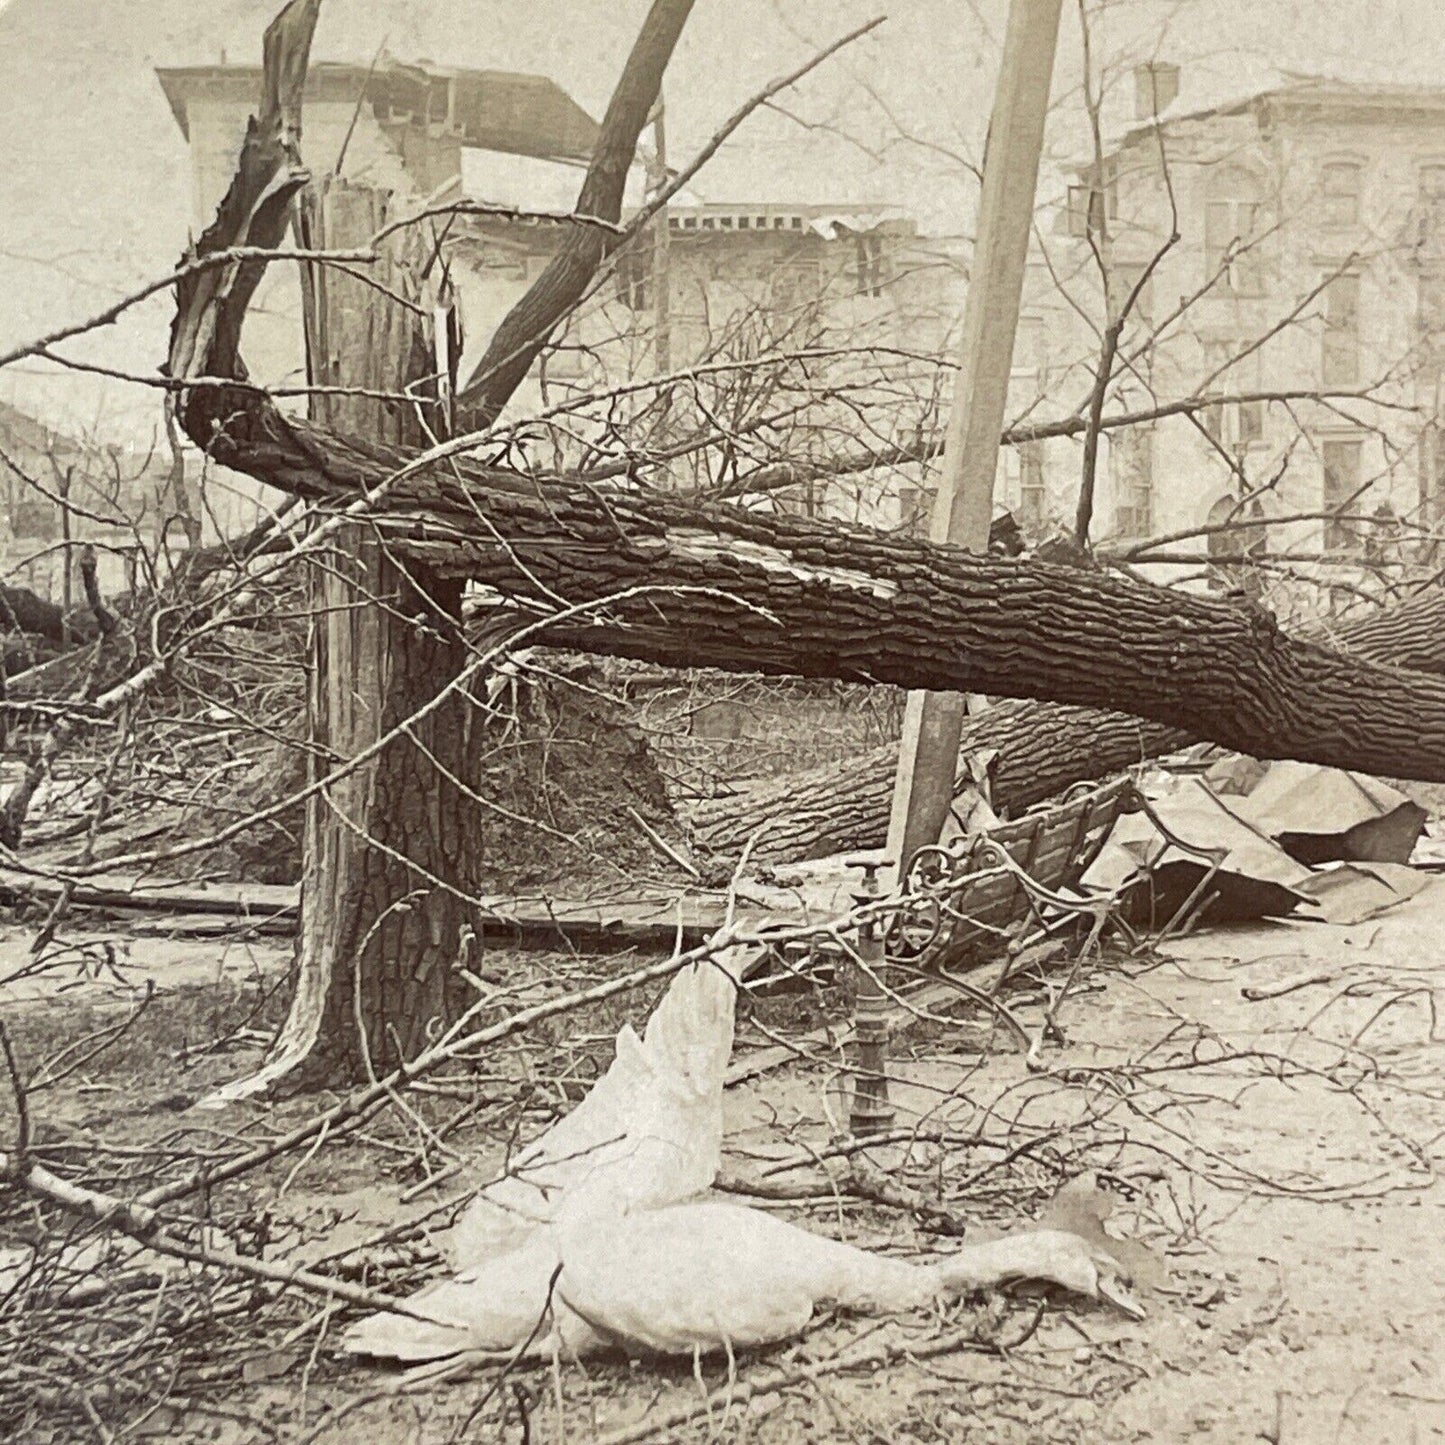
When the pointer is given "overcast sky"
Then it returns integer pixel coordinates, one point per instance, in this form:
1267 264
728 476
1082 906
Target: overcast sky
97 195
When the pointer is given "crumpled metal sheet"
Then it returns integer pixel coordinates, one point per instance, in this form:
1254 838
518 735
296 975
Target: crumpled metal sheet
1273 824
1356 892
1256 878
1320 815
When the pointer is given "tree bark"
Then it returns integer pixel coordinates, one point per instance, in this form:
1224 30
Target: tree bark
715 586
1043 748
390 845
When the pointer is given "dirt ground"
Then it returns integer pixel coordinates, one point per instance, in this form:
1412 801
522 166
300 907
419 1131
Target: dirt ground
1268 1104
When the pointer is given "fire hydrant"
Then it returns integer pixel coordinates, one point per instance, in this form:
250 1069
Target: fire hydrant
871 1112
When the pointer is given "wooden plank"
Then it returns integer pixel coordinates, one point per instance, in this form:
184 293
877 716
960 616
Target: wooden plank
645 922
121 891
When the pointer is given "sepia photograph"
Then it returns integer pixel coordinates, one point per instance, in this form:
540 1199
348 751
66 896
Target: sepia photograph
722 721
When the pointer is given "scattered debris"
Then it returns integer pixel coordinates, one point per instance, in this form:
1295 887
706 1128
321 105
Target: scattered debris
1279 831
1318 815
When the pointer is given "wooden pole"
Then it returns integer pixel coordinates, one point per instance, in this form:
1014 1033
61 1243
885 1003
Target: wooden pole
963 509
661 246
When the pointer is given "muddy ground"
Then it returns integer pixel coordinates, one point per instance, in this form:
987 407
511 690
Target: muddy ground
1267 1103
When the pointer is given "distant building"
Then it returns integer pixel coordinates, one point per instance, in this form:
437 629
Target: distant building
1037 481
409 129
58 493
731 281
1310 258
399 125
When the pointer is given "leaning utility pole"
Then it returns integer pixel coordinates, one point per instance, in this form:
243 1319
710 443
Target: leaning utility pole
963 509
661 245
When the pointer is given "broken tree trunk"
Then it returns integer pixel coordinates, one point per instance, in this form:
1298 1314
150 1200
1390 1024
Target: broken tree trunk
620 572
715 586
528 326
385 916
1043 748
399 640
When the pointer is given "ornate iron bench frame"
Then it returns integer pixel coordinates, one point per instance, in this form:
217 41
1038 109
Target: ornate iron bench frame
981 892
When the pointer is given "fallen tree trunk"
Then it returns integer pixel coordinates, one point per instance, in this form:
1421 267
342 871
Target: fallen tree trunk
716 586
781 595
1042 749
711 586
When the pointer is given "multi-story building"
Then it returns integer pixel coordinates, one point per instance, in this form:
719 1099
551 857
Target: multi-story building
409 129
706 288
1307 264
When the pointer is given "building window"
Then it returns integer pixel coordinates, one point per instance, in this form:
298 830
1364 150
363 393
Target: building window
1134 482
34 519
1340 351
634 277
1430 210
1233 425
1240 532
1342 464
1211 418
1432 473
1430 312
1033 493
1087 206
1231 248
1432 186
868 265
564 361
1340 183
1249 423
1122 281
797 283
1029 344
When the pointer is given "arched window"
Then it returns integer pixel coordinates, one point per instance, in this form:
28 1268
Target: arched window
1340 187
1232 207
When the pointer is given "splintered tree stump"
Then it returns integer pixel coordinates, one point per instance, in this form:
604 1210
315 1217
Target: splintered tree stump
390 833
365 330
